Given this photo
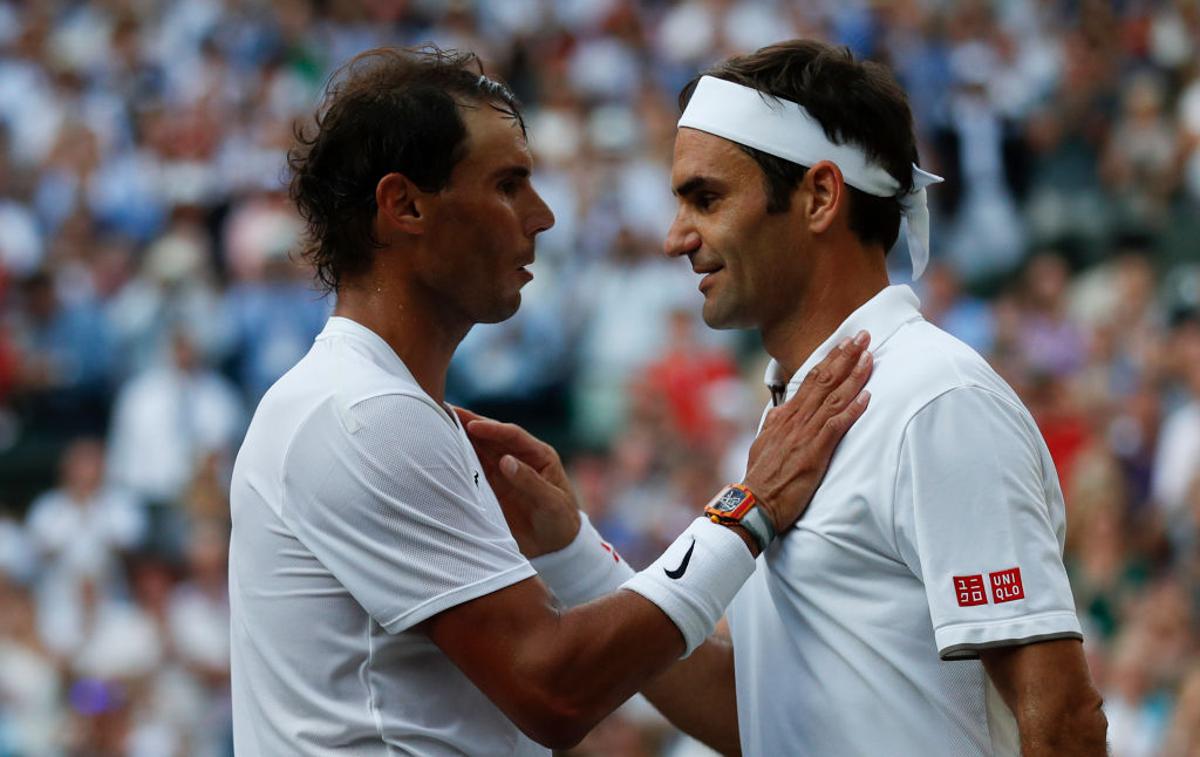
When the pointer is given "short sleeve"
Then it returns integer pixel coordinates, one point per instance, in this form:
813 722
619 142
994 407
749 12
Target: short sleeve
382 493
980 520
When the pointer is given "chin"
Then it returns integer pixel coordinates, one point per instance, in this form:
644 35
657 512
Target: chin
721 318
502 311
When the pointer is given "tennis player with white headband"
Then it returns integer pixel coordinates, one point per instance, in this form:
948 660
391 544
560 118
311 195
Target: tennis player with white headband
920 606
786 130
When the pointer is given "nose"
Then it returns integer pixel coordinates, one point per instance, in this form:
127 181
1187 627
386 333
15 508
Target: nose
540 217
682 238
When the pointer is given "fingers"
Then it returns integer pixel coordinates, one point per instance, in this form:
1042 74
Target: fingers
465 416
523 478
845 393
509 437
827 376
837 424
493 439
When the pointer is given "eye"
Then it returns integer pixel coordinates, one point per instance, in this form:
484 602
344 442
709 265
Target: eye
704 200
510 186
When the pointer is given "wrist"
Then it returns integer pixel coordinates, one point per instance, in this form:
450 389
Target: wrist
737 505
585 569
764 496
747 537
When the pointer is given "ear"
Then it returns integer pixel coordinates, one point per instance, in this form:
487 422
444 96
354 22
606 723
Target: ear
826 196
399 202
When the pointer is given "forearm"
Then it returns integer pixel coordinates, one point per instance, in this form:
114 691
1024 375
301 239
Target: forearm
585 571
598 655
711 717
620 641
1080 733
1049 690
557 673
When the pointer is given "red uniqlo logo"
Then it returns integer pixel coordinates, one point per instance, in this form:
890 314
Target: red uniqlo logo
970 590
1006 585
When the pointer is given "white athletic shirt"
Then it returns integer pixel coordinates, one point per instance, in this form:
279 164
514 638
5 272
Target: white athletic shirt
359 510
938 531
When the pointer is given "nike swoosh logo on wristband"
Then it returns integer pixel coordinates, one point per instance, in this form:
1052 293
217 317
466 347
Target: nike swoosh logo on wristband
678 572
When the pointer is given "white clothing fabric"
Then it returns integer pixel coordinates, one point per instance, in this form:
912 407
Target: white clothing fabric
81 539
359 511
76 543
165 420
937 532
1177 461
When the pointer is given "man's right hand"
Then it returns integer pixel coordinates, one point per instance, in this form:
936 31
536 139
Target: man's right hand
529 481
792 452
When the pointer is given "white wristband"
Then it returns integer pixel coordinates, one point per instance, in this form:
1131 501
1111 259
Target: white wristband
696 578
586 569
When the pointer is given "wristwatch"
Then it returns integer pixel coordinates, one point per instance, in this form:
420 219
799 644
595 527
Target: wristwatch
737 505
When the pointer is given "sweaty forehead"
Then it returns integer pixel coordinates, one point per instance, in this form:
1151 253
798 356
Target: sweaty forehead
698 152
493 137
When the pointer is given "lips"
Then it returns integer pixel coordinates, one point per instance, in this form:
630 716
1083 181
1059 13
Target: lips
707 271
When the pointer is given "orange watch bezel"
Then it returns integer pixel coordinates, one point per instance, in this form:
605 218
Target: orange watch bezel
736 514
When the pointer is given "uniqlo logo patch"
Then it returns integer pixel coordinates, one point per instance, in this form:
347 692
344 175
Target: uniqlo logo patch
1006 585
970 590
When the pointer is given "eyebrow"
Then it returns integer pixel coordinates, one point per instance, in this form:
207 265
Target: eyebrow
515 171
692 185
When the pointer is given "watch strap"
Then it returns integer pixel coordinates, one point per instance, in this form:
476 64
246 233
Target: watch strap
759 524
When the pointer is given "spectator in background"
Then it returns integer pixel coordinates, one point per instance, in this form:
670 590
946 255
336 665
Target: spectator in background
30 689
1136 713
1183 737
687 379
1177 464
65 359
272 309
628 295
985 161
79 532
174 291
167 419
1050 342
946 305
1140 166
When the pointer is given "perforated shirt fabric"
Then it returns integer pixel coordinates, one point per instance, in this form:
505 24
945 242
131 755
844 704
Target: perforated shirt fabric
360 510
860 632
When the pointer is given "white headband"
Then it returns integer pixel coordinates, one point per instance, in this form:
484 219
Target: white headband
785 129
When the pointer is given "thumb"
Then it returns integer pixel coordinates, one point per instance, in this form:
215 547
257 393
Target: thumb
520 475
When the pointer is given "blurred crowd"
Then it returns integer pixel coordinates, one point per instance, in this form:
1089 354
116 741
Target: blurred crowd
149 295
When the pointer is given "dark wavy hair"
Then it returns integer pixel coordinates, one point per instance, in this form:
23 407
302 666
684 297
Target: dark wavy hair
388 110
856 102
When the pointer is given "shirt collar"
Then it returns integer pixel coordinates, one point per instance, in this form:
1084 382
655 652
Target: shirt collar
881 316
388 359
383 353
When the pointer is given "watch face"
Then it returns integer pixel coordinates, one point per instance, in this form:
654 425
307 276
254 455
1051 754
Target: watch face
730 500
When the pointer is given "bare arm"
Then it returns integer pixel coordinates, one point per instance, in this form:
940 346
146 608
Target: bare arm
557 673
1049 690
709 671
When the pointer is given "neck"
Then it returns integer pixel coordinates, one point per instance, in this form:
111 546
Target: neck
410 321
841 281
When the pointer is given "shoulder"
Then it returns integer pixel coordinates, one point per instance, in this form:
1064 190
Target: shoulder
333 408
46 506
921 363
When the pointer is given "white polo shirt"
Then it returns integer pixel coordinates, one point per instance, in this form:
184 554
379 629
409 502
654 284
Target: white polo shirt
359 510
938 531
